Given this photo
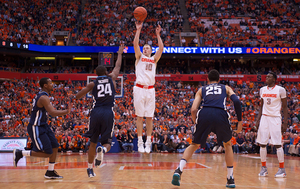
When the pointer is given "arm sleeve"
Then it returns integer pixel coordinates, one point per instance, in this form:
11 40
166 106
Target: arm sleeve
282 92
237 106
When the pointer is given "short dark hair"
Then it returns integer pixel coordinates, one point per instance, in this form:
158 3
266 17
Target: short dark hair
101 70
44 81
213 75
274 75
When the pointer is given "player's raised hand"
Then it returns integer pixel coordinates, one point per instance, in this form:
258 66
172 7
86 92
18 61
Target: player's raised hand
121 48
158 30
139 25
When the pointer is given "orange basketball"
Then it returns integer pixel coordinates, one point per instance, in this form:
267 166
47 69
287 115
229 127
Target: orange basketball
140 13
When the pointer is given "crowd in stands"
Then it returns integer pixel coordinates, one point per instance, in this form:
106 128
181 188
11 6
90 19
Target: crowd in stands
254 23
33 21
107 23
173 126
230 23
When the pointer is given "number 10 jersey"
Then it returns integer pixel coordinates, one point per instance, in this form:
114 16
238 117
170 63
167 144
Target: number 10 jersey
145 71
103 92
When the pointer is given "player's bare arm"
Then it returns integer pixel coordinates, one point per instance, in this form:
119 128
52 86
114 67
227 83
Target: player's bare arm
85 90
237 106
136 41
196 104
115 73
160 44
285 114
44 101
259 114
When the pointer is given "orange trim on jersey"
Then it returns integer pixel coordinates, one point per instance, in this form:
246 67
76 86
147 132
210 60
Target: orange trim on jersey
144 86
272 88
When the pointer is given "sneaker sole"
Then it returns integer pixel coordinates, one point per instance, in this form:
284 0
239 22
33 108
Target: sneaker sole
175 180
280 176
230 186
46 177
99 154
263 175
14 152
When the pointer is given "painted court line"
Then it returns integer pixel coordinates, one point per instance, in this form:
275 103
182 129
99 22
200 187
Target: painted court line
204 165
102 165
122 168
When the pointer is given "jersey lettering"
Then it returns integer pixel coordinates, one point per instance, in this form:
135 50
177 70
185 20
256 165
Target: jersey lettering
213 90
149 67
104 90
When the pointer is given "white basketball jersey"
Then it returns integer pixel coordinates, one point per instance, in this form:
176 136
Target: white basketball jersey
272 100
145 71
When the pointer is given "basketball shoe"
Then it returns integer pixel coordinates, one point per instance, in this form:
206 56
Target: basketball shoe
230 183
17 156
141 148
263 171
90 173
281 173
52 175
176 177
148 147
99 157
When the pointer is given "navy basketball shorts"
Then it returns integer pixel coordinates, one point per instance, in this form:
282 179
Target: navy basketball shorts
209 120
101 122
43 138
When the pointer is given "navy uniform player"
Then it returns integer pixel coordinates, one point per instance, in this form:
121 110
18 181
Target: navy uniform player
102 115
44 142
212 118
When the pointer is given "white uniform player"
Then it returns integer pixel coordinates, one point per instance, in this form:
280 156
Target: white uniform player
143 91
270 122
273 97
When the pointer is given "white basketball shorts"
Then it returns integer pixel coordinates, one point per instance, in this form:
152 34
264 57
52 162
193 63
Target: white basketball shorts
269 127
144 101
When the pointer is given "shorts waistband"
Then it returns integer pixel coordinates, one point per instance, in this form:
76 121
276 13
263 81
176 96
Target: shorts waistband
144 86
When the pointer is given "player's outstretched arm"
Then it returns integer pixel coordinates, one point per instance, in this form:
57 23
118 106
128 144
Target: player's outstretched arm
237 107
115 73
45 102
160 44
85 90
285 114
196 104
136 40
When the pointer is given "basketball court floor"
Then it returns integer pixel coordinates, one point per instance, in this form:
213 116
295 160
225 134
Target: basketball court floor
134 171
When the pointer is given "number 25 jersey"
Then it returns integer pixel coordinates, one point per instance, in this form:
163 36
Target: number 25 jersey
103 92
214 95
272 100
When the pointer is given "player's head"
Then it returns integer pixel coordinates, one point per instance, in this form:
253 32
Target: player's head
271 78
46 83
213 76
147 50
101 70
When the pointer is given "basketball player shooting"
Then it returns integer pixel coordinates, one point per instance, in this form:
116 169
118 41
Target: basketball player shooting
143 91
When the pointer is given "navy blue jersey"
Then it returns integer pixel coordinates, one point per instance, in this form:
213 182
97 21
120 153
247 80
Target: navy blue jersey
214 95
103 92
38 115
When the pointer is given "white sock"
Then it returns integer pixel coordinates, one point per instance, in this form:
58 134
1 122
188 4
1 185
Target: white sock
140 139
280 155
90 165
229 172
51 166
104 149
182 164
26 152
263 154
149 139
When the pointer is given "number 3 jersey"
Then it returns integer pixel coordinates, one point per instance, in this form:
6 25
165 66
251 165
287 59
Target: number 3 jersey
103 92
145 71
272 100
214 95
